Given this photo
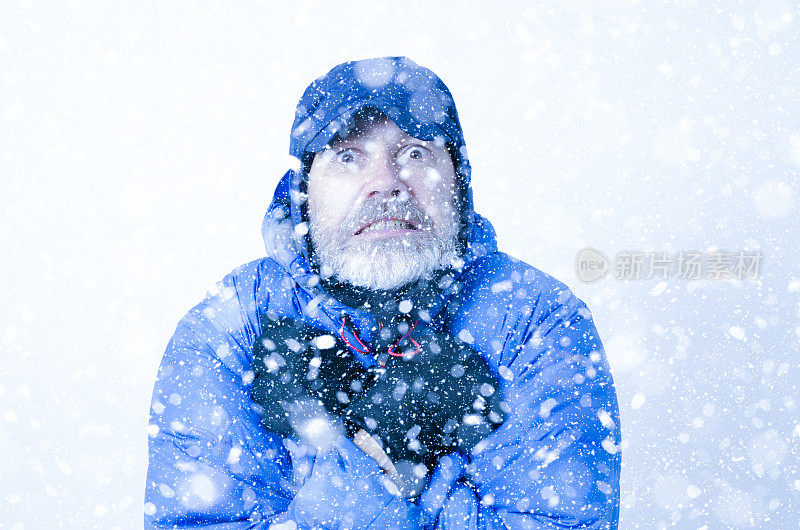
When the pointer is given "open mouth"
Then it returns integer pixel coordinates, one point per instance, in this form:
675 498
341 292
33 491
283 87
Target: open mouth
386 224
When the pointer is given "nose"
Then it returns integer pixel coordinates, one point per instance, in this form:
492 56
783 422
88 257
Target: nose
384 180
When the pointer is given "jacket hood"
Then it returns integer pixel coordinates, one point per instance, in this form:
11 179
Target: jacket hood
416 100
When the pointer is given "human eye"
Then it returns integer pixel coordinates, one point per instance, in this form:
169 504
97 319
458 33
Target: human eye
346 156
414 153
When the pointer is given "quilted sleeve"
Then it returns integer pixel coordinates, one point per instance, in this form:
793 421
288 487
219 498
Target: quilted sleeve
555 462
210 461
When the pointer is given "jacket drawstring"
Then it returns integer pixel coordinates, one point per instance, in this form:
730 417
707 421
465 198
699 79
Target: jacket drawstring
341 334
393 346
391 351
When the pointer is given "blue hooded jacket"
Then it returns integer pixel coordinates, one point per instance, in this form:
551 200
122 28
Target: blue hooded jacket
554 463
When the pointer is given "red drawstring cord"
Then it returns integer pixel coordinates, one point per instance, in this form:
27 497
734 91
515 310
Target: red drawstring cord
341 333
391 348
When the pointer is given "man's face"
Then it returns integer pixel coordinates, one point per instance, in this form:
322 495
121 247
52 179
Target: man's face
382 206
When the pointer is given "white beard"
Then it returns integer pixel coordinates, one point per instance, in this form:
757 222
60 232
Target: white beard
385 263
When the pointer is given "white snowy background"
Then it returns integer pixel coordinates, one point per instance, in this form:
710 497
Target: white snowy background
141 143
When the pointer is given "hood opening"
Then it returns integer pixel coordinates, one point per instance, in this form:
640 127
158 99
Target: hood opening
371 113
417 101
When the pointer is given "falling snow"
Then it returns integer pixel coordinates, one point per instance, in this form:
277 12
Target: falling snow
140 149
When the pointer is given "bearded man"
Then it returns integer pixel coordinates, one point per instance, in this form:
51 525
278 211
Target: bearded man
384 366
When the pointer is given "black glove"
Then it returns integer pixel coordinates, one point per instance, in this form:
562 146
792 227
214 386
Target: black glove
443 398
301 372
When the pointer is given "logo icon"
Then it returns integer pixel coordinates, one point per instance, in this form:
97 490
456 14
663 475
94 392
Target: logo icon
591 265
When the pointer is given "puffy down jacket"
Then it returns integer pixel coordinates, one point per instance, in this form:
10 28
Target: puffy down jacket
554 462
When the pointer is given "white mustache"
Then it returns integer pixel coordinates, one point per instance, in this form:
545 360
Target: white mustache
381 209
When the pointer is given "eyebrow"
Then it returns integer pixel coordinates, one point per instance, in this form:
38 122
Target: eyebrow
410 140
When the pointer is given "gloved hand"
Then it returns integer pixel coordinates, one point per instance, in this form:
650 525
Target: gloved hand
441 399
303 379
341 487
